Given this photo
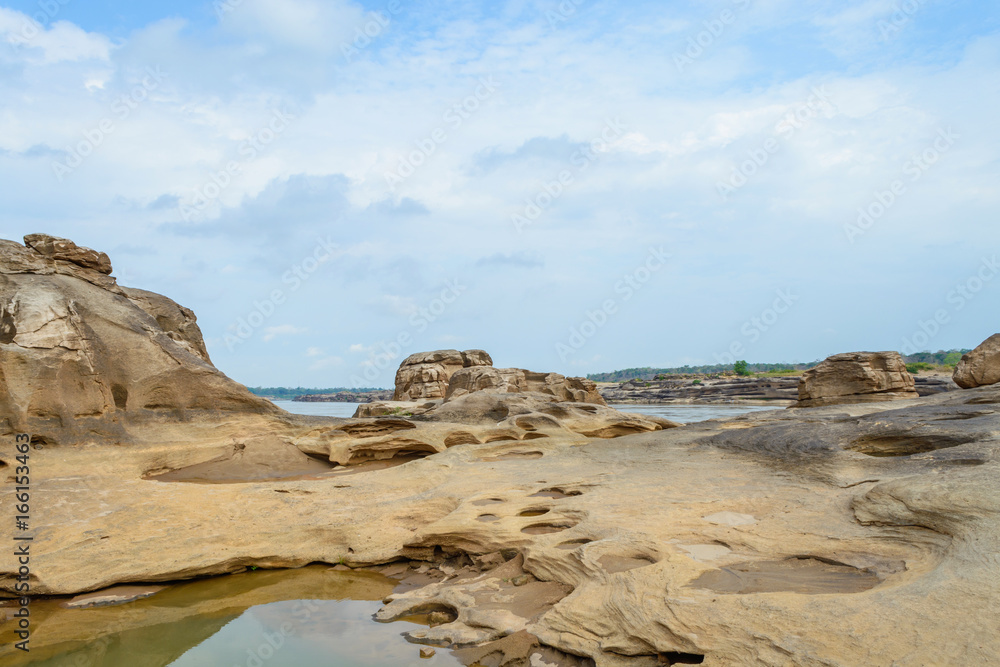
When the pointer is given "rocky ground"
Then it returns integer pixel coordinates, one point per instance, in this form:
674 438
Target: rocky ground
532 523
347 397
779 391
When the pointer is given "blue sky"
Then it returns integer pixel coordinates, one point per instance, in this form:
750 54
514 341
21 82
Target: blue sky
573 187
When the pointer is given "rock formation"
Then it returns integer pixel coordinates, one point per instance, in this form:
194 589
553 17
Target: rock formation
444 374
856 377
981 366
80 356
425 375
547 524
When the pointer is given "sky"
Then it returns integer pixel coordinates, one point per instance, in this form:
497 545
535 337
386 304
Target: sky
575 186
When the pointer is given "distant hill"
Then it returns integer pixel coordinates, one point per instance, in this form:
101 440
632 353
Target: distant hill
939 358
288 393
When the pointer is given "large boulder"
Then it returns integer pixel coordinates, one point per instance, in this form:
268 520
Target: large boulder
856 377
81 358
981 366
64 249
514 380
425 375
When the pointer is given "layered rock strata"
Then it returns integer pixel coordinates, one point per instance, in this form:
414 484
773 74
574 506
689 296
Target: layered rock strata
856 377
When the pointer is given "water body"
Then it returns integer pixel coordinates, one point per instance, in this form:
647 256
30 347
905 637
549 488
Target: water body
684 414
310 617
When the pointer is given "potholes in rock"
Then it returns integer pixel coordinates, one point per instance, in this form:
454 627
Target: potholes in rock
487 518
533 436
513 456
546 528
573 544
461 438
800 574
488 501
616 431
534 511
376 427
500 438
906 445
533 422
556 493
614 564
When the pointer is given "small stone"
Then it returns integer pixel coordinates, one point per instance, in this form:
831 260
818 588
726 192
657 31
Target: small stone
521 580
427 653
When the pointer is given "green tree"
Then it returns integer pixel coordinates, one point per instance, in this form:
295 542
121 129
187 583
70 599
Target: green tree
741 368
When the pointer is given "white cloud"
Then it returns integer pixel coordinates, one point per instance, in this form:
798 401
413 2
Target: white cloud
50 44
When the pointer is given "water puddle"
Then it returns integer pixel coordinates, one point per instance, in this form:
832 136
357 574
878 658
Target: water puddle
313 616
794 575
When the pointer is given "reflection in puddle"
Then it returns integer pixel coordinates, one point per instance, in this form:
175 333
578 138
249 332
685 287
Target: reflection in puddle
281 618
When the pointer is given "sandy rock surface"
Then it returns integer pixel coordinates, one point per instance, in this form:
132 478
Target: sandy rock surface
860 534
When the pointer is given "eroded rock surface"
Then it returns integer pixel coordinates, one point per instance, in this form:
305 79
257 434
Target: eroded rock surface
856 377
425 375
981 366
80 357
522 524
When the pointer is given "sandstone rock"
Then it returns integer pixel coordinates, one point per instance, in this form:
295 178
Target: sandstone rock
177 321
425 375
512 380
981 366
856 377
77 358
66 250
443 374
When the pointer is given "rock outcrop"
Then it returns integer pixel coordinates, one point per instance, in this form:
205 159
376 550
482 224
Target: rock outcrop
425 375
516 380
177 321
444 374
856 377
67 251
981 366
780 391
80 356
